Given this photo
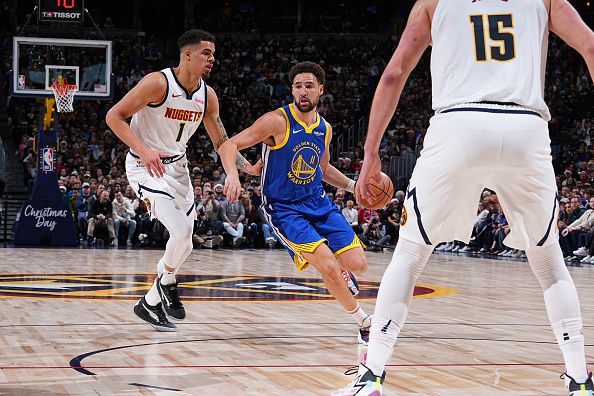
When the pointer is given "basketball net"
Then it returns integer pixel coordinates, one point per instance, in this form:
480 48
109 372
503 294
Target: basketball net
64 94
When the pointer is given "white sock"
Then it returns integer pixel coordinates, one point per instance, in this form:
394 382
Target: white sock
152 296
393 299
168 278
571 341
358 314
179 246
563 306
384 332
161 266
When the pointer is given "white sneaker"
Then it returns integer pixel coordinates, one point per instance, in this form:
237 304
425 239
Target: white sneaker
441 247
581 252
465 249
586 259
502 253
509 253
449 247
456 249
591 261
578 389
366 384
271 242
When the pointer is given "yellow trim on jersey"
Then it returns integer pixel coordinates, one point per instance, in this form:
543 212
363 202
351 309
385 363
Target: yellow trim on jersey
307 129
305 247
326 142
287 132
356 243
298 259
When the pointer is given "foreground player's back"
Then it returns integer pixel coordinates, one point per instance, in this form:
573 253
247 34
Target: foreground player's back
489 50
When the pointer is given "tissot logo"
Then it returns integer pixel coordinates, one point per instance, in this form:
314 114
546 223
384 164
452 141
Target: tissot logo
192 287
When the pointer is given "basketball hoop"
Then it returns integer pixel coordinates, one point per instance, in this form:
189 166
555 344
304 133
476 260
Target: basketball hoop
64 94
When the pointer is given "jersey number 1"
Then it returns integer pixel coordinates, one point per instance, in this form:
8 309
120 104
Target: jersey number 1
181 130
506 50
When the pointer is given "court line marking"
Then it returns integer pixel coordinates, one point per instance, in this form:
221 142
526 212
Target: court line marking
226 366
154 387
76 362
186 323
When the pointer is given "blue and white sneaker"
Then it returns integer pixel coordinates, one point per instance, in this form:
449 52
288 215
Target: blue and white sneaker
575 389
351 281
367 384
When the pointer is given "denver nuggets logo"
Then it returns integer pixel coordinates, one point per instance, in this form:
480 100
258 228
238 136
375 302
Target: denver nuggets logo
304 163
403 217
192 287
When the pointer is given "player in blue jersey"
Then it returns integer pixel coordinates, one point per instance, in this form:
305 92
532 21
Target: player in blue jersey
296 160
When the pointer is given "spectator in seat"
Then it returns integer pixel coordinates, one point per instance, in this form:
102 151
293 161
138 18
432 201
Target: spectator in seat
251 219
351 216
219 196
365 216
232 214
212 209
123 214
574 212
581 231
269 237
390 220
82 206
202 227
101 212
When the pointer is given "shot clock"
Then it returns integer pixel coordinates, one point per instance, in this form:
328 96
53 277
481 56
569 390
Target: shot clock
61 10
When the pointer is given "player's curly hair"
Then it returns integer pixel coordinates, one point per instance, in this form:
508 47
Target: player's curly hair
308 67
194 36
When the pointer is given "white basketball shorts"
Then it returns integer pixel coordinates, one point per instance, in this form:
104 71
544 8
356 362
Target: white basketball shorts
467 151
175 184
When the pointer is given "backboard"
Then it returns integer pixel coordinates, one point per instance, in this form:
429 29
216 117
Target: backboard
39 61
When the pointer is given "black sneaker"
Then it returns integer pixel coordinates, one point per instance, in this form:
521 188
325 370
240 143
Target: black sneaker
155 316
575 389
170 298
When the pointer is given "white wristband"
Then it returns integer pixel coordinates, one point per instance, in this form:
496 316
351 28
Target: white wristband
351 186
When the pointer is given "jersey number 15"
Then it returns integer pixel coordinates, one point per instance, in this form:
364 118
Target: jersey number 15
505 45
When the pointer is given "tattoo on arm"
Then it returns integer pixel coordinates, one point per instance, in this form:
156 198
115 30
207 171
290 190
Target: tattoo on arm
240 161
223 138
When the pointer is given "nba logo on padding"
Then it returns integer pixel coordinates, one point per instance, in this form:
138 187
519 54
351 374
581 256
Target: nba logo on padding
48 159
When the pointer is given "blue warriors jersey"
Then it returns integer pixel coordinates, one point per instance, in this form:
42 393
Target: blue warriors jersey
295 204
291 171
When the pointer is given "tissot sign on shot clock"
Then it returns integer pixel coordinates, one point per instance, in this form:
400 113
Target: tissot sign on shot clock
61 10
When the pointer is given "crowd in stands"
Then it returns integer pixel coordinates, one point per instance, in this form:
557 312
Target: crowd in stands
250 78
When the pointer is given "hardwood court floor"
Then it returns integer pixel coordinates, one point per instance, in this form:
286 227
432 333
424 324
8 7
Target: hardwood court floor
254 327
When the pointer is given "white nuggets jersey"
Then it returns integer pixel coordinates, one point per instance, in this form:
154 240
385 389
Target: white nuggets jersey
489 50
167 126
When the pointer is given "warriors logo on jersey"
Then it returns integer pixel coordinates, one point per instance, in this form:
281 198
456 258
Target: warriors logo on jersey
304 163
292 168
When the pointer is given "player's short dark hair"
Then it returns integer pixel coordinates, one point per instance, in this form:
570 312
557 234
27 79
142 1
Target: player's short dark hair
194 36
308 67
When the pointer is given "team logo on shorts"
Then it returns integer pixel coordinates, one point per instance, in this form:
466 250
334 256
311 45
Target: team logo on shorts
192 287
403 217
304 163
147 202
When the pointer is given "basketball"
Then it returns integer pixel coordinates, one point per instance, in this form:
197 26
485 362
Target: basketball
383 191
